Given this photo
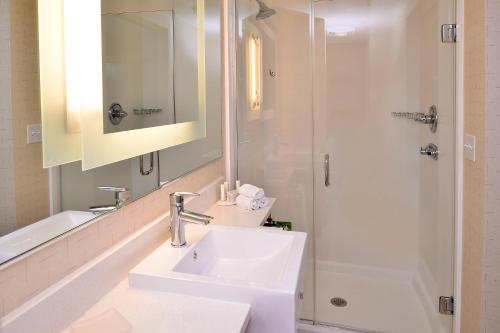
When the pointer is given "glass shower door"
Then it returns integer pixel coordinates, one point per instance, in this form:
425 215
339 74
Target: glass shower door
275 139
384 224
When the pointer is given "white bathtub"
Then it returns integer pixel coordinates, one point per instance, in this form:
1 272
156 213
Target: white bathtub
26 238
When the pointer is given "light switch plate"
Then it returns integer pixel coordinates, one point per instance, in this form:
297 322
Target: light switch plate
470 147
34 133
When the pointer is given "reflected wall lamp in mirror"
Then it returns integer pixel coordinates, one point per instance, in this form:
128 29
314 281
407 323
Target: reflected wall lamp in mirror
72 60
254 72
71 77
61 142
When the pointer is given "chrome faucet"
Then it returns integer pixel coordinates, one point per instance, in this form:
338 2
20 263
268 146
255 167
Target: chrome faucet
122 195
178 216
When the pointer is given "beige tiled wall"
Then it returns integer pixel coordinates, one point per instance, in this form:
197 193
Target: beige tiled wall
31 180
491 280
474 172
27 276
7 194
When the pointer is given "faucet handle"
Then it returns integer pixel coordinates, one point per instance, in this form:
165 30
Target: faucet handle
177 198
122 194
112 189
185 194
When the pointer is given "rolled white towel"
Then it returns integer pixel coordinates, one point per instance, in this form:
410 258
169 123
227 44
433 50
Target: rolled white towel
251 191
263 202
247 203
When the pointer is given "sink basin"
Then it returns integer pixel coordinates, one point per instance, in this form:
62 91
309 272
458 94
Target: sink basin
33 235
260 267
257 258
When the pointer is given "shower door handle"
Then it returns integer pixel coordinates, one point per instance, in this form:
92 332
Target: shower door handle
327 169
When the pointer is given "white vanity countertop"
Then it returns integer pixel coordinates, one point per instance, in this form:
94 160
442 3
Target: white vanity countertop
135 310
237 217
127 309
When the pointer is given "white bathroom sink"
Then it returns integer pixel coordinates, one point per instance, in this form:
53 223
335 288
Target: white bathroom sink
257 258
260 267
37 233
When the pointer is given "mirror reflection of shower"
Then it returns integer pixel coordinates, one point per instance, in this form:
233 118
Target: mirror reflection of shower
264 11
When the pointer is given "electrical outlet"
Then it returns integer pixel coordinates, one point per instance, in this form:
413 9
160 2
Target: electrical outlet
34 133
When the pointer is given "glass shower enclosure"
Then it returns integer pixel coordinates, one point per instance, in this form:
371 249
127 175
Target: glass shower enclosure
346 115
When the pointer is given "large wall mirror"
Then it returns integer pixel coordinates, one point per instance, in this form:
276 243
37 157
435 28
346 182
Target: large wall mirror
133 77
37 203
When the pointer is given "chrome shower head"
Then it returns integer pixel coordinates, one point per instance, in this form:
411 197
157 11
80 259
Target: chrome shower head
264 11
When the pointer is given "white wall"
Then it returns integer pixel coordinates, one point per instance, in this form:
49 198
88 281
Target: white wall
7 188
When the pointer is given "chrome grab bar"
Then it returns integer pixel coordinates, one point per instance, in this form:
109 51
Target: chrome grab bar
417 116
146 112
431 118
327 169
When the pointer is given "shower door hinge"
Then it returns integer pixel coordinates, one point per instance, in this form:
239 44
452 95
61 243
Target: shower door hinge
449 33
446 305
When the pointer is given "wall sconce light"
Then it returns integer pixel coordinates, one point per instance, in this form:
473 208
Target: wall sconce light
72 63
254 72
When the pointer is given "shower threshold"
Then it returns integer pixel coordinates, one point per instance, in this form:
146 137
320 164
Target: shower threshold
307 326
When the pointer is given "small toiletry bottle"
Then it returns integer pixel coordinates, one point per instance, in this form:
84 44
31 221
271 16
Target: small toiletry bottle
223 193
238 184
232 195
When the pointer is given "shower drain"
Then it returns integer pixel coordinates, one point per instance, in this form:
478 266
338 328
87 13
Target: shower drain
338 302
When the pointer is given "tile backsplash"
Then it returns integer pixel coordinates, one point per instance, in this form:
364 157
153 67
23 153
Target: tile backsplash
25 277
